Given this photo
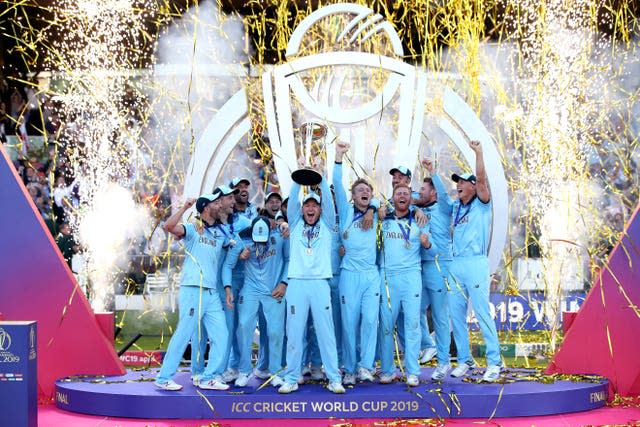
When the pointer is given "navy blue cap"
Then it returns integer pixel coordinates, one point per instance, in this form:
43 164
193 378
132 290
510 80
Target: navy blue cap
402 169
469 177
205 199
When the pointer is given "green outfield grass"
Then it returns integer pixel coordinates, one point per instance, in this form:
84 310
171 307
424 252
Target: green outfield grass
156 330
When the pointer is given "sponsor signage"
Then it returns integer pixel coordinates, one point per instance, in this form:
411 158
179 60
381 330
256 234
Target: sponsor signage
18 374
529 311
142 358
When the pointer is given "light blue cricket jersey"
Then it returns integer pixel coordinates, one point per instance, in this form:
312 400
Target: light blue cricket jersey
266 266
396 257
360 245
471 228
439 217
203 256
249 213
231 229
336 242
310 245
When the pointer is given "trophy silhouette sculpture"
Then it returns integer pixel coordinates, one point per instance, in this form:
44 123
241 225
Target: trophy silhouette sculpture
312 133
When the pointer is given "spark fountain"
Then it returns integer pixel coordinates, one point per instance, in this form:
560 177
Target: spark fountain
98 47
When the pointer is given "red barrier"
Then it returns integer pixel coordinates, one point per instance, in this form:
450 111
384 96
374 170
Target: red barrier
106 321
603 338
567 320
37 284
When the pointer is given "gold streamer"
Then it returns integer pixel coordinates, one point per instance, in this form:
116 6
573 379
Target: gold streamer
542 148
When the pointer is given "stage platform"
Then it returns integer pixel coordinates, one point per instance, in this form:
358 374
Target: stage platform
521 392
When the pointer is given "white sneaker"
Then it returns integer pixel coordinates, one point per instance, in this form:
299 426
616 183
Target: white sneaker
229 375
440 372
364 374
195 380
336 387
287 388
300 380
277 381
169 385
427 354
462 369
316 373
263 375
412 380
492 373
349 379
214 384
242 380
387 378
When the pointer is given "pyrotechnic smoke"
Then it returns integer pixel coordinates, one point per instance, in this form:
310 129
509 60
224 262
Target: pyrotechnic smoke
563 87
107 227
100 43
201 63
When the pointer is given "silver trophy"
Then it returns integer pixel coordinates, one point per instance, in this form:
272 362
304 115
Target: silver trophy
312 132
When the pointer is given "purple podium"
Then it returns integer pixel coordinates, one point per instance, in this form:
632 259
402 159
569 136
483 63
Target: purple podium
520 393
18 374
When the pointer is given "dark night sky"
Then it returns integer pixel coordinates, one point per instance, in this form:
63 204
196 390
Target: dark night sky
15 60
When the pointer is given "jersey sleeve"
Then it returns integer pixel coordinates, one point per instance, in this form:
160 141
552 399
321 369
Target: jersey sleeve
341 195
230 261
445 203
189 232
328 208
294 208
285 261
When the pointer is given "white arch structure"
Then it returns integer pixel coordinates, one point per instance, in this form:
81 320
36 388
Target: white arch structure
406 83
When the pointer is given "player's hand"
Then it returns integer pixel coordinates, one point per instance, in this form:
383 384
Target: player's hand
424 241
428 164
229 297
421 218
475 146
244 255
284 230
382 211
367 220
188 203
342 251
279 291
342 148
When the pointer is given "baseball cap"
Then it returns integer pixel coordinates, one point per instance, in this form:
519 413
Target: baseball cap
465 177
237 180
225 190
273 194
402 169
205 199
310 196
260 230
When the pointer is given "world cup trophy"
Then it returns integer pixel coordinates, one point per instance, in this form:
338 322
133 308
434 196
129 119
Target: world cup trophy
313 134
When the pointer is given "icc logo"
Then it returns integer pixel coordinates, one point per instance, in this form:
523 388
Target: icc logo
5 340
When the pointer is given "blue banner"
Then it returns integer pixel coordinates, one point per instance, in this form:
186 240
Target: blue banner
530 311
18 374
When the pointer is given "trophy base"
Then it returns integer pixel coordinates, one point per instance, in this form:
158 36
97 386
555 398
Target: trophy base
306 176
